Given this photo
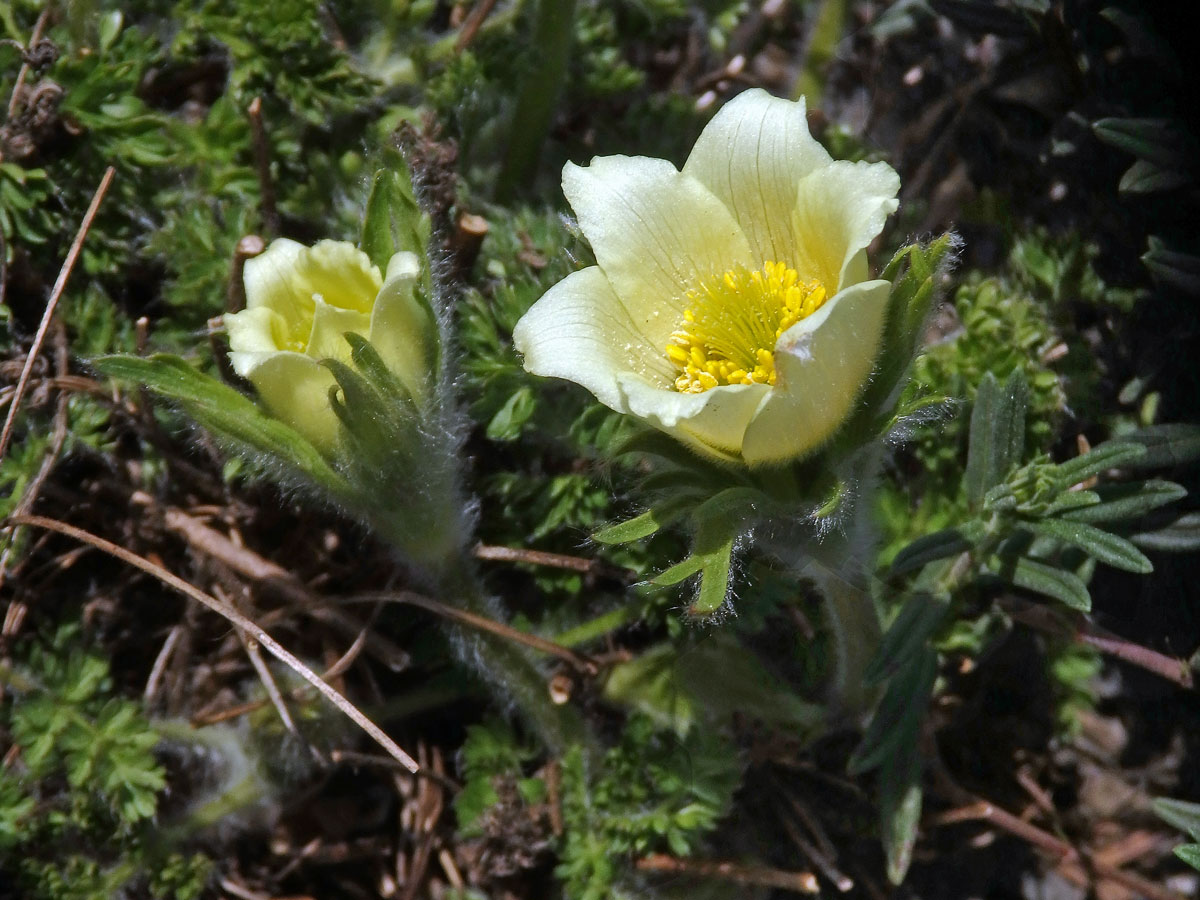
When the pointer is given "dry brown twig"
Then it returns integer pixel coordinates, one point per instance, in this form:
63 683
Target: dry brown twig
14 614
38 27
580 564
1075 864
270 575
470 25
236 618
579 662
262 159
1080 629
56 293
796 882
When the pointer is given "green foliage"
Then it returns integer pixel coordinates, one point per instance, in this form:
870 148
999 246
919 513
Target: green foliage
281 52
25 207
491 751
651 793
1002 330
69 724
1073 668
1032 526
232 416
1038 526
701 685
77 808
1186 817
557 501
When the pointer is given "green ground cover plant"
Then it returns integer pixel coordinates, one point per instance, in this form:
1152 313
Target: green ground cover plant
488 634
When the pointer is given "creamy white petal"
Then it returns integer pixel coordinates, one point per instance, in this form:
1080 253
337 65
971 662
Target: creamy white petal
823 363
341 274
295 388
752 156
270 278
580 330
329 326
404 264
403 329
713 422
839 210
254 330
656 233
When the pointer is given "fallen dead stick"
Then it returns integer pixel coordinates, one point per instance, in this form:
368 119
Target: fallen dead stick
1070 857
60 285
483 623
276 579
579 564
232 615
797 882
1078 628
272 576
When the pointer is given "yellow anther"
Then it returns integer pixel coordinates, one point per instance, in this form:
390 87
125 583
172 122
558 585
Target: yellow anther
731 324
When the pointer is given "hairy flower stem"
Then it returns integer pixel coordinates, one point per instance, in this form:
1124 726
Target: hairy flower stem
852 618
839 564
507 668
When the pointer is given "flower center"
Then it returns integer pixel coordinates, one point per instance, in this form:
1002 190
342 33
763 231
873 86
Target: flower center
297 327
731 324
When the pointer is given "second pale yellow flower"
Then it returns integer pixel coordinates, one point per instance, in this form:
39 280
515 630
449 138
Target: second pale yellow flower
301 302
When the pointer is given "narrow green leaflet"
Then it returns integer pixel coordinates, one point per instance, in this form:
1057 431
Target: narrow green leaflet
1181 535
1180 813
1160 141
1186 817
1126 501
1108 455
372 366
1071 500
919 618
393 220
997 433
899 713
1181 270
900 804
1190 854
714 582
508 421
1146 177
1167 445
684 569
1107 548
913 272
929 548
225 412
1063 586
634 529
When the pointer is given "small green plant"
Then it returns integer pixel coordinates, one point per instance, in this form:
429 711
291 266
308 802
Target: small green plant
651 793
77 805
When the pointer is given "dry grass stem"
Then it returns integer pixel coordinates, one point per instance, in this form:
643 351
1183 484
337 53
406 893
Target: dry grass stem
236 618
555 561
581 663
763 876
56 293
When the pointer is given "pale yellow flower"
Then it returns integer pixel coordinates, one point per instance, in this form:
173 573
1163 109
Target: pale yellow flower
731 305
300 302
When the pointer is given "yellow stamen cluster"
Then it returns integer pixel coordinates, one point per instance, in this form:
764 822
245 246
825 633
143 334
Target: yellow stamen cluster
731 325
